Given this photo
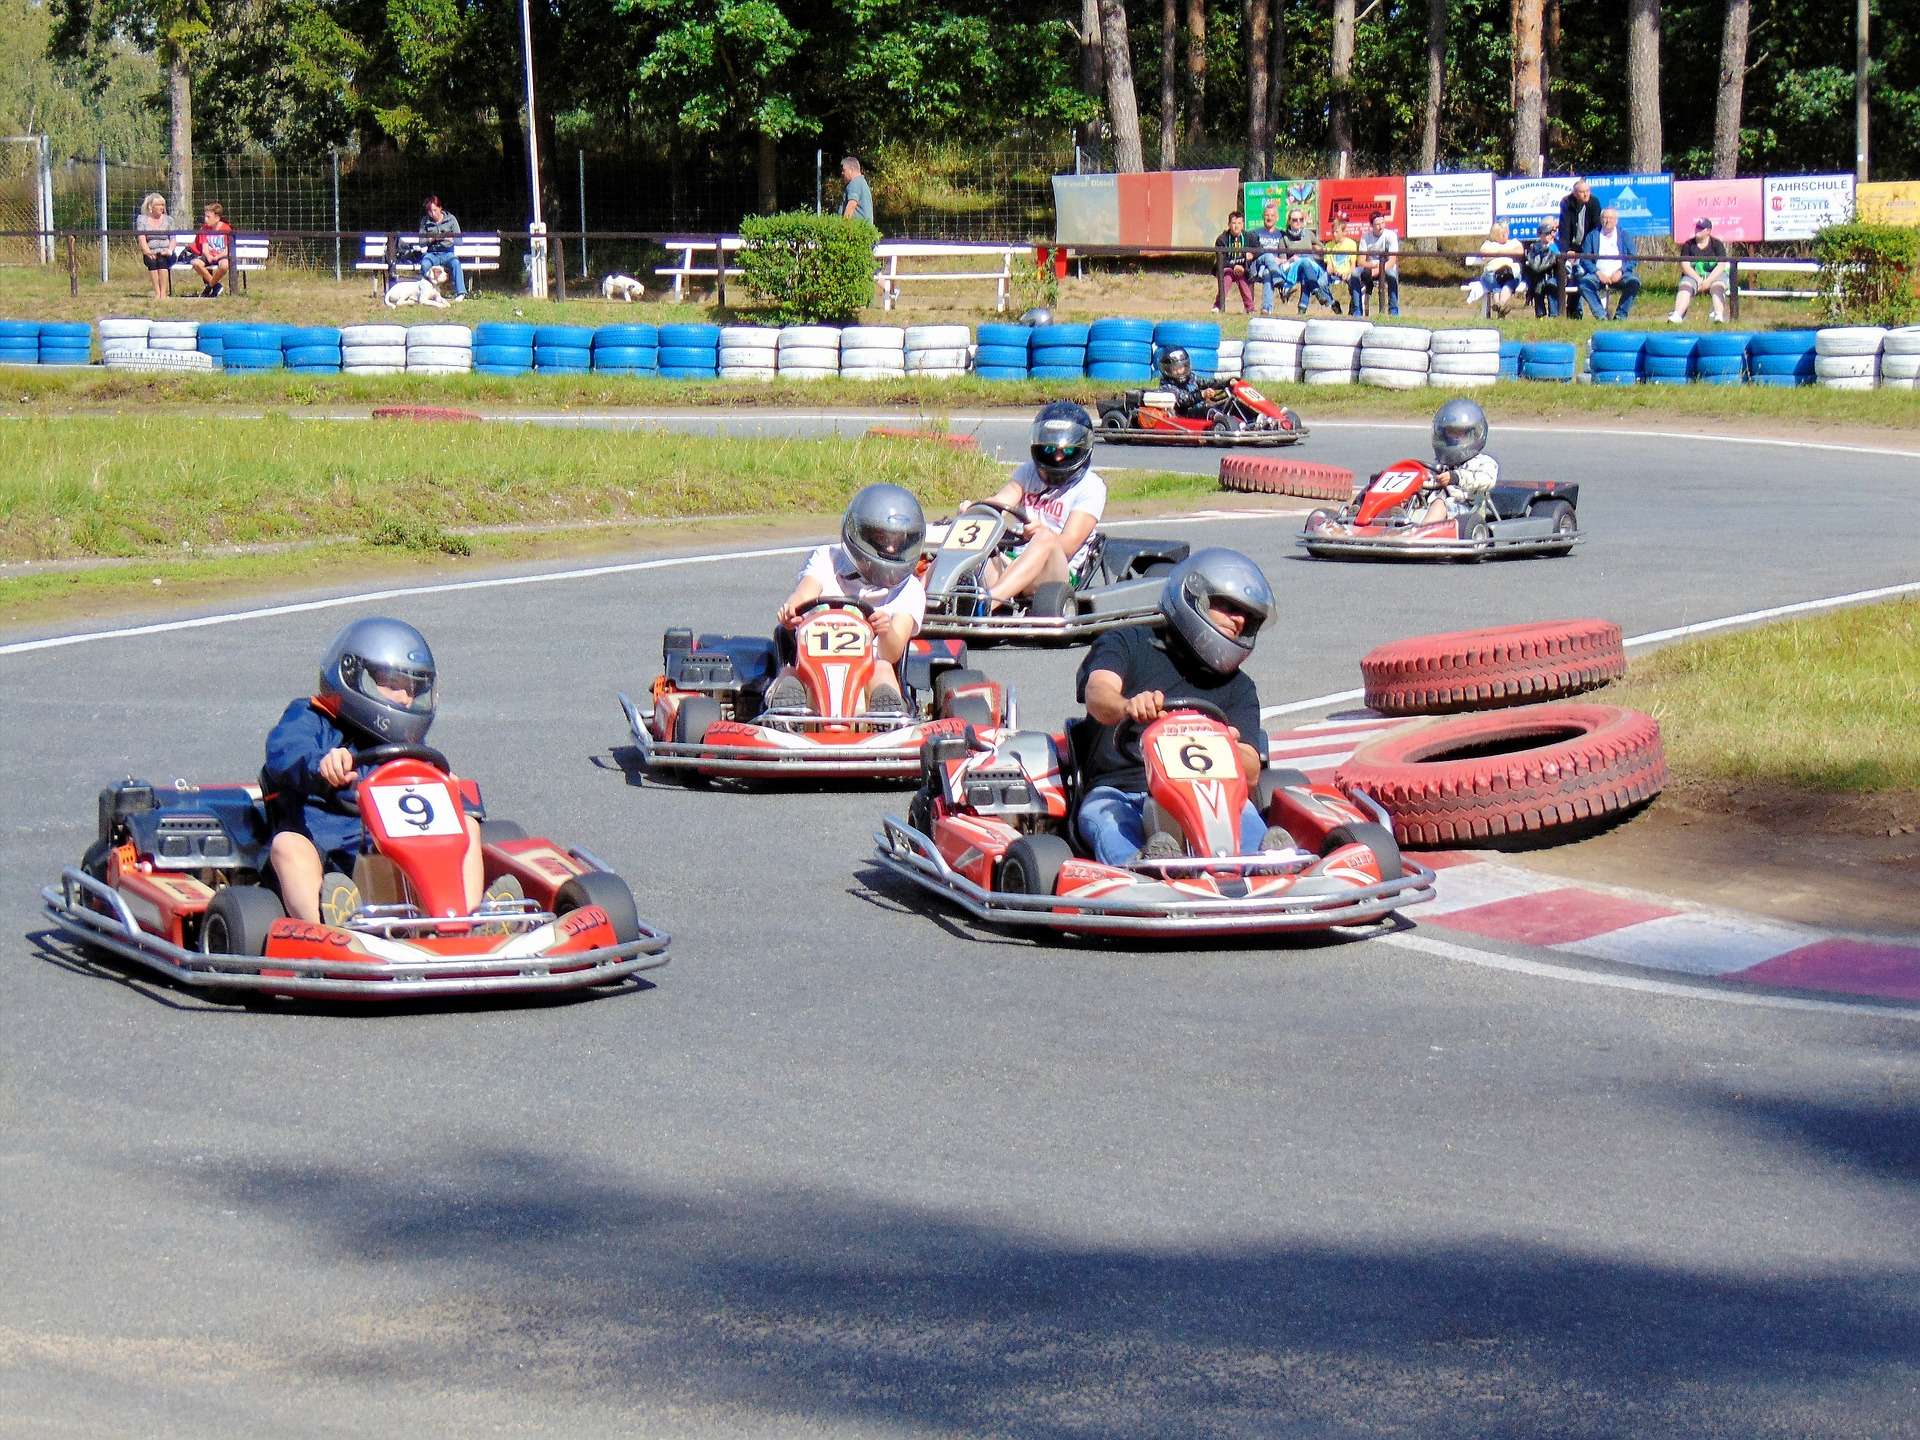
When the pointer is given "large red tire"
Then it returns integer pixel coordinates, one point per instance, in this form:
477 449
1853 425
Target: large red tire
938 437
1488 669
423 412
1264 475
1474 778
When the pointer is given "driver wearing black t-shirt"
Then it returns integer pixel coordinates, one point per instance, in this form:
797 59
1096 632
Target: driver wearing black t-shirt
1215 602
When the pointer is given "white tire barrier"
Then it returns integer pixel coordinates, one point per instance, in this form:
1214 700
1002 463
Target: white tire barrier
936 337
1336 332
810 337
434 359
1397 337
748 372
1903 342
1898 366
736 359
749 337
1277 374
873 337
373 354
808 357
1330 377
1329 357
1270 352
1487 364
1275 330
888 362
439 337
943 359
1392 379
1467 342
373 335
808 372
1407 362
158 360
122 328
370 368
1849 340
1847 367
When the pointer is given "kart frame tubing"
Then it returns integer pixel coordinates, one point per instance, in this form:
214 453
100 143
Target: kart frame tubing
1355 546
1258 439
735 760
1027 627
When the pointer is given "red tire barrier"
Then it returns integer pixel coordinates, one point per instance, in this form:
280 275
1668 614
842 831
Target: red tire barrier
1515 772
1488 669
941 437
423 412
1263 475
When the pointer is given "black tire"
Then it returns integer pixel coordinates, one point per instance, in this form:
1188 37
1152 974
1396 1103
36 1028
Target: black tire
948 681
693 719
1476 531
492 832
1032 864
973 709
1377 838
1053 600
610 893
94 862
238 919
920 813
1564 523
1114 420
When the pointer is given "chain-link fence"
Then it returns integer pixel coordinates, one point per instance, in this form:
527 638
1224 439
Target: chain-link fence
21 199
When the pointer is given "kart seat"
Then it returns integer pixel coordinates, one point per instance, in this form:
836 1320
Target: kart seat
1130 559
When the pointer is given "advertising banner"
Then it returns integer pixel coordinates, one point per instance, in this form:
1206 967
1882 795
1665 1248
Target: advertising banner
1178 209
1287 194
1889 202
1086 209
1645 202
1350 205
1202 200
1736 207
1525 201
1800 205
1449 204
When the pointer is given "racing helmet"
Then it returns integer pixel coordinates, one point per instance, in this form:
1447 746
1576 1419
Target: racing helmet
1039 315
883 531
1459 432
1216 576
380 675
1061 442
1176 365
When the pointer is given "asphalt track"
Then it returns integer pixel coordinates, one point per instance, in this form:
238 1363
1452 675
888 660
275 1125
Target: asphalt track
851 1168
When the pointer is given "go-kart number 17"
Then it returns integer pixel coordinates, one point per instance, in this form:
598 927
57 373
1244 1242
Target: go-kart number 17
1195 757
839 642
416 810
969 534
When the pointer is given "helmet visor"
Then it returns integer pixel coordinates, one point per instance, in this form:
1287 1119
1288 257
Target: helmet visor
401 687
1060 445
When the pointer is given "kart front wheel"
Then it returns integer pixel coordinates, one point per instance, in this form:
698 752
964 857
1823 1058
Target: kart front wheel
238 920
1476 532
1376 838
1318 520
610 893
1053 600
948 681
1032 864
693 719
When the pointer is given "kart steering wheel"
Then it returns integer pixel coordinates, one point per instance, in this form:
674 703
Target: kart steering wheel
833 602
1129 732
375 755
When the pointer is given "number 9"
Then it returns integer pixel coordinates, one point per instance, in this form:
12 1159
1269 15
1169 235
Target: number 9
417 808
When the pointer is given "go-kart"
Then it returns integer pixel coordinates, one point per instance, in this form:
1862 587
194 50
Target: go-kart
179 881
1238 415
991 830
1120 585
709 713
1535 517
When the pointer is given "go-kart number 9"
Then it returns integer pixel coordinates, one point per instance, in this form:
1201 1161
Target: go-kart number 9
835 642
969 534
417 810
1196 757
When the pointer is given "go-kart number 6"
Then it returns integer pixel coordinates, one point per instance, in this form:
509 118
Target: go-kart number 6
835 641
969 535
417 810
1195 757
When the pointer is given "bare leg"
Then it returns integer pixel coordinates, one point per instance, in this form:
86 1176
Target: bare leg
473 869
1040 561
296 864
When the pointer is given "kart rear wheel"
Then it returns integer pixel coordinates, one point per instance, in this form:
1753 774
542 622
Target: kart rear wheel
947 681
1376 838
1032 864
973 709
238 920
1564 523
693 719
1475 532
1114 420
1053 600
610 893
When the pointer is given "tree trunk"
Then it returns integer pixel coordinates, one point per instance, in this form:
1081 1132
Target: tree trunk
1733 79
1436 83
1196 72
1169 78
1093 71
180 142
1549 72
1644 144
1123 110
1276 66
1862 57
1529 100
1340 101
767 164
1258 133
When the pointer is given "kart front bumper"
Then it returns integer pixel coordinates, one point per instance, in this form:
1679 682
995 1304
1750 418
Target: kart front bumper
1339 545
1228 440
814 760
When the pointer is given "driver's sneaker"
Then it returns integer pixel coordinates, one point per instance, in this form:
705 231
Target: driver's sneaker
883 701
786 693
1162 846
1277 838
502 890
339 898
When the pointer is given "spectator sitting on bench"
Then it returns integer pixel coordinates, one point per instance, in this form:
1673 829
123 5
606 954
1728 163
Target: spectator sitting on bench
153 233
1706 269
1542 266
1607 263
1499 265
211 253
1379 267
1343 258
1304 270
439 231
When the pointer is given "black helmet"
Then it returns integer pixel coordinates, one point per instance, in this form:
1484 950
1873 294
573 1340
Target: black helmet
1061 442
1210 576
1176 365
1459 432
380 675
883 532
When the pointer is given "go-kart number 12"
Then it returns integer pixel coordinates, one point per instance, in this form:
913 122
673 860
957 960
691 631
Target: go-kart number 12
969 535
416 810
1195 757
835 641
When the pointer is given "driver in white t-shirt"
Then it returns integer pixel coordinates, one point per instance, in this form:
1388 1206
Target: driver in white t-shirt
874 563
1064 497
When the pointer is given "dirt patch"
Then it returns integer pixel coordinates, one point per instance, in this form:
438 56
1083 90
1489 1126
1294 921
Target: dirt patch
1835 861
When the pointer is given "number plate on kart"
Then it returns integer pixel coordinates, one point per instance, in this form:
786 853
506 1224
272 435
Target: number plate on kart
425 809
835 639
1196 757
968 534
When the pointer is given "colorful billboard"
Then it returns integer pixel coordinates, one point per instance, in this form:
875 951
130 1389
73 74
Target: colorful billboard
1798 206
1645 202
1350 205
1736 207
1449 204
1175 209
1287 194
1889 202
1524 201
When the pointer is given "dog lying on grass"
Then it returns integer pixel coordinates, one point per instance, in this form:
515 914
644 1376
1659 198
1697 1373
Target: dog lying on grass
424 291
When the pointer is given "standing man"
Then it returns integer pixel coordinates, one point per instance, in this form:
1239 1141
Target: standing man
438 233
859 200
1706 269
1579 217
1379 266
1607 263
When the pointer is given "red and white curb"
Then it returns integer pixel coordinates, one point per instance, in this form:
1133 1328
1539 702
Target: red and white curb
1480 894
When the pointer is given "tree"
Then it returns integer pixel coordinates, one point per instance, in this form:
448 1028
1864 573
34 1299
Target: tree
1123 110
1340 99
1436 82
1528 94
1196 72
1644 148
1093 70
1169 78
1733 79
1259 133
1276 66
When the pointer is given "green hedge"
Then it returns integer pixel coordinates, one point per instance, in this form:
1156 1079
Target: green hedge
808 268
1868 273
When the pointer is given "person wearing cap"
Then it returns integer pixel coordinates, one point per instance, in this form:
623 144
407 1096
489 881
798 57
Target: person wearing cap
1541 265
1705 268
1607 263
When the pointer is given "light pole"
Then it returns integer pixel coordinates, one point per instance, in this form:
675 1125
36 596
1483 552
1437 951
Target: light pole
537 245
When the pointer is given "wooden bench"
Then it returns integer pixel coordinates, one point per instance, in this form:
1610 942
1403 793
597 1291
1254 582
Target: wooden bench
688 246
247 253
379 254
1788 267
889 278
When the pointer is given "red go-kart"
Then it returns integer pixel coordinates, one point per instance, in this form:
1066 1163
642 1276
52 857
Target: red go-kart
1237 415
709 713
991 830
178 881
1538 517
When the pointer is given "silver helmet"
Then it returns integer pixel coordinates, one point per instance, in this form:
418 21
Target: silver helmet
1039 315
1060 443
1216 576
1459 432
883 533
1176 365
380 674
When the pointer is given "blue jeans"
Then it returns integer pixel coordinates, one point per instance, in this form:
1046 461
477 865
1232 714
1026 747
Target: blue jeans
1268 271
1362 285
1593 292
448 261
1311 276
1113 822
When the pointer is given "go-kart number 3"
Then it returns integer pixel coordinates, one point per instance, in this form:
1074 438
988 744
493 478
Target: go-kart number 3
1195 757
835 641
969 534
417 810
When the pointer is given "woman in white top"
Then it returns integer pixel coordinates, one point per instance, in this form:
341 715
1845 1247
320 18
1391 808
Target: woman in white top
1498 264
153 233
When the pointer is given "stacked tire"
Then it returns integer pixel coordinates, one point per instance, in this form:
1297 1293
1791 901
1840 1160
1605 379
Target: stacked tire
211 341
1721 359
311 350
1000 352
503 349
174 336
439 350
563 349
1615 357
65 343
1510 359
749 352
19 342
689 352
1330 351
367 349
253 347
1552 360
625 350
1900 359
1395 357
1669 359
1057 352
1120 348
1199 338
810 352
119 336
1231 355
1847 357
937 350
874 352
1272 351
1782 357
1464 359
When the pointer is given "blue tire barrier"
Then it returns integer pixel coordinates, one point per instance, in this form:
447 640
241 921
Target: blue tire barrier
1015 337
1120 327
1056 372
1194 334
521 355
212 346
1615 377
243 358
305 337
20 330
312 369
688 372
1060 357
627 337
1122 352
1054 337
1001 372
70 330
690 337
555 357
497 367
1003 356
1718 365
1614 365
1788 381
628 357
1547 352
1117 370
497 333
1653 379
1205 362
563 337
1543 370
1672 347
325 356
1797 366
1666 367
682 358
555 367
1732 342
1618 340
1782 342
253 337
